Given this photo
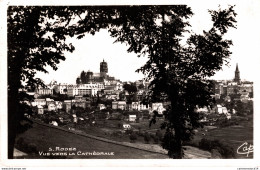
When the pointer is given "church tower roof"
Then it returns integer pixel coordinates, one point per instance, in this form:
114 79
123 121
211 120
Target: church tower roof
237 70
237 75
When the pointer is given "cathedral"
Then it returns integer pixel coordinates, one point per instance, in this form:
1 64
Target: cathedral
90 77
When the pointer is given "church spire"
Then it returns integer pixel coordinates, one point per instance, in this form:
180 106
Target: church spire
237 75
237 68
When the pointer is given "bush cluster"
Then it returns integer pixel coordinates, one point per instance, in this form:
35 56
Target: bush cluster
226 123
225 150
117 134
128 131
147 137
133 137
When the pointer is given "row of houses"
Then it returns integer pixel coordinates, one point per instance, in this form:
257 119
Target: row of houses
51 105
79 101
227 89
90 89
138 106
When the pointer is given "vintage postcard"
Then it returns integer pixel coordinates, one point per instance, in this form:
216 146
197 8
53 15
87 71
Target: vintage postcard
169 84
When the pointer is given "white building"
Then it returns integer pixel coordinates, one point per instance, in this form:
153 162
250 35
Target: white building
121 105
139 106
51 107
132 118
101 106
62 88
44 91
219 109
38 102
85 89
40 110
224 110
158 107
114 105
58 104
126 126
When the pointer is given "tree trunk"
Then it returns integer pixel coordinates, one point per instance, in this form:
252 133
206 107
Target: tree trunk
12 121
178 147
175 117
13 109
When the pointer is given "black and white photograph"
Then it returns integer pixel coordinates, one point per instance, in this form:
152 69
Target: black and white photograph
151 83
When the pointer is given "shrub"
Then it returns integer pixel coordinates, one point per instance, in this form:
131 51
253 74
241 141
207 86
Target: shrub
141 133
116 134
133 137
191 143
215 154
129 131
205 144
225 150
159 135
147 137
120 125
156 139
24 125
225 123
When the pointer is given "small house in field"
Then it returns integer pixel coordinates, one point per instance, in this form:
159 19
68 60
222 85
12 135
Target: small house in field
132 118
58 104
227 99
121 105
114 105
67 105
101 106
40 110
224 110
51 107
228 116
219 109
135 106
158 107
75 119
126 126
38 102
54 123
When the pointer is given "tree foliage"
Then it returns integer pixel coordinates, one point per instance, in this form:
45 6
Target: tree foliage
178 72
36 38
130 88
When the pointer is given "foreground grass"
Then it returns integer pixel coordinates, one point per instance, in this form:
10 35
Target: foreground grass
46 138
234 136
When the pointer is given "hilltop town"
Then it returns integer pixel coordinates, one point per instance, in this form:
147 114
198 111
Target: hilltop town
101 91
101 105
94 91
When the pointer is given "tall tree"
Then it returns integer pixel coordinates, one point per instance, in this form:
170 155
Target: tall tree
36 38
178 72
130 88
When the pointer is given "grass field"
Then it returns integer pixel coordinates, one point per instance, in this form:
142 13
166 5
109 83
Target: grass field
110 128
234 136
45 138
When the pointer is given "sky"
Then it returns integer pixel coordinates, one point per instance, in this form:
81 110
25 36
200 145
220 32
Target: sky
91 50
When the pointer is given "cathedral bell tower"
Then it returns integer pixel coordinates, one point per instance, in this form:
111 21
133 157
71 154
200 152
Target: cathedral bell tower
103 69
